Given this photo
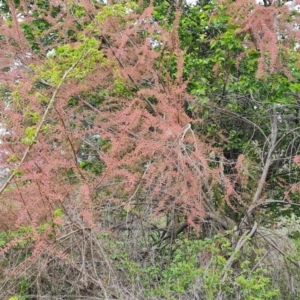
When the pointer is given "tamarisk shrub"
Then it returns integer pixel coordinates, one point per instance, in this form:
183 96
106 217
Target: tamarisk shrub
93 108
97 140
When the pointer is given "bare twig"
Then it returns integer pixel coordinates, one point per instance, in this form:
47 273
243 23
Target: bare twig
296 263
242 240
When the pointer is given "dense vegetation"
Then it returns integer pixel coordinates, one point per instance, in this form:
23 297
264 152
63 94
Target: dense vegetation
150 150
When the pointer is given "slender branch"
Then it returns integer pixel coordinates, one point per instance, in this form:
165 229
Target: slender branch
71 144
238 116
242 240
261 183
269 160
269 202
39 127
296 263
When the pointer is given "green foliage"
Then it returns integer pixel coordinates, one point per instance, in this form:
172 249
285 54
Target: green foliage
58 213
77 9
82 59
94 166
233 102
257 285
30 134
37 30
120 88
23 235
116 10
235 140
178 275
194 264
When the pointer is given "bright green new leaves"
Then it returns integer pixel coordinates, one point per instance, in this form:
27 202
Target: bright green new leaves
85 53
84 56
116 10
30 135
